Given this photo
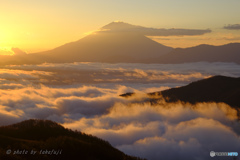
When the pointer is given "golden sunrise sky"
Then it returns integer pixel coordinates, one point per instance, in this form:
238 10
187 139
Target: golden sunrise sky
35 26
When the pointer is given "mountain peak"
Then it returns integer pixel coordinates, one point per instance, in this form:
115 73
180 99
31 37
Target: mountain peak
119 22
119 25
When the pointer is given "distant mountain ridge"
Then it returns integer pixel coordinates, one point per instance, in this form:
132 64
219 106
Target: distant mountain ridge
120 42
47 135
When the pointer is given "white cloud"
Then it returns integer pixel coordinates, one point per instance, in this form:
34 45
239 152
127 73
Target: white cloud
67 93
150 131
141 76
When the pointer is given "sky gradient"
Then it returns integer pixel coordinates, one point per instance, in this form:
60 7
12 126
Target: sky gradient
41 25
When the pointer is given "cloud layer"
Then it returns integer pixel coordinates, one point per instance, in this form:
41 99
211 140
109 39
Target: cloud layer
85 96
149 75
171 131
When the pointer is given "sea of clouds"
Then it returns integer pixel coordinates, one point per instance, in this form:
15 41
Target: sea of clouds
85 96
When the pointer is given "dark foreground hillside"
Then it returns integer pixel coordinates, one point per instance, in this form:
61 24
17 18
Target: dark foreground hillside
213 89
44 139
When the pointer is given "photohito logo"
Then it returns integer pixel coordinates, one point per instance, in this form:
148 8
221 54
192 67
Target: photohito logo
8 151
213 154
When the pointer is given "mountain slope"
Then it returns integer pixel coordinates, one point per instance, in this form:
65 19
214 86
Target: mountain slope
213 89
225 53
45 135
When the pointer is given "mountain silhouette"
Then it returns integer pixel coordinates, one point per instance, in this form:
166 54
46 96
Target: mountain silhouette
47 135
127 47
113 43
208 53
